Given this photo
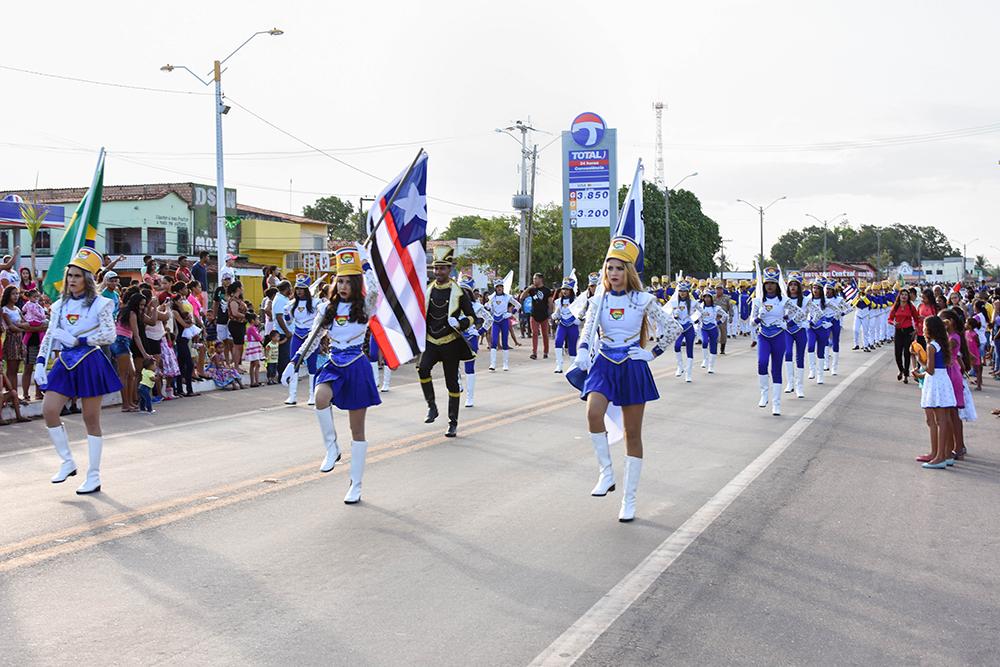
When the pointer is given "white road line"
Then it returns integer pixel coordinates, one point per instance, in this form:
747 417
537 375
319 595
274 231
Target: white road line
575 641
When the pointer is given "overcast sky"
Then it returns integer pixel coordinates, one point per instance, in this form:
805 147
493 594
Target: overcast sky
752 88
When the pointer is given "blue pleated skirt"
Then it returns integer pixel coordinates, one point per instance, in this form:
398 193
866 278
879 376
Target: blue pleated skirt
83 376
623 380
349 374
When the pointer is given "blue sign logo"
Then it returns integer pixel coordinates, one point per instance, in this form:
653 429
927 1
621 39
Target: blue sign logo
588 129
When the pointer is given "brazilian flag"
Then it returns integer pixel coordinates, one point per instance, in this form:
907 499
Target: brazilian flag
79 232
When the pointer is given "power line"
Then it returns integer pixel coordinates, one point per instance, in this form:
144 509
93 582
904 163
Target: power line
94 82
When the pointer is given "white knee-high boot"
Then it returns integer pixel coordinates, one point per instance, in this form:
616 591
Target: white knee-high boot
375 371
711 363
834 362
799 375
312 390
704 357
687 370
386 377
559 361
765 384
606 480
60 440
359 449
95 445
812 364
506 360
326 427
470 388
819 371
493 358
633 467
776 399
789 376
680 364
293 390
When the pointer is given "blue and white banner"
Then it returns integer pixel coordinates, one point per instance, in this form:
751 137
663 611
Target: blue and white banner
630 220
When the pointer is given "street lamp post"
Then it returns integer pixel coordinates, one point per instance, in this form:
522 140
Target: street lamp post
222 242
666 219
760 210
965 264
825 222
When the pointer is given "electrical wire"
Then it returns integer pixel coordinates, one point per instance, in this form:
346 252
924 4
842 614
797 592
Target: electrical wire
108 84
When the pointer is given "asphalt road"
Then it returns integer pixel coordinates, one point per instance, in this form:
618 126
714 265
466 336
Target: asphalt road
216 541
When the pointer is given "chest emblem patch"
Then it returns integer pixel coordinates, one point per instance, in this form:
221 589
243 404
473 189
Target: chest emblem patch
341 320
72 318
768 307
616 313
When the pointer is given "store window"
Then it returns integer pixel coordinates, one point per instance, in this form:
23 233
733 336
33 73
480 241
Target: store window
43 242
156 240
5 241
183 241
124 240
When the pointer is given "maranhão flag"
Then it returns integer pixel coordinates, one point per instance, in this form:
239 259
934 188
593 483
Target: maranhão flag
399 259
80 231
630 220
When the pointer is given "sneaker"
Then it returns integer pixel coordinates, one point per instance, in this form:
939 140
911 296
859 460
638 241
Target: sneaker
157 399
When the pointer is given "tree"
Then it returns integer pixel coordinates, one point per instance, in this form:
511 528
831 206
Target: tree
463 226
694 237
846 243
337 213
982 264
33 216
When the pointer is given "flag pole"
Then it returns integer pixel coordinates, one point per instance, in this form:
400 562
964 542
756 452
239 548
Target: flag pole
402 181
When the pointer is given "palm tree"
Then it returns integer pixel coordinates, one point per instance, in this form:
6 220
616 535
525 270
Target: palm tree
982 264
33 216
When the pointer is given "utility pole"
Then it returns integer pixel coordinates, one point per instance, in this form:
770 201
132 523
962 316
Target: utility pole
722 262
531 211
661 181
362 218
522 202
760 210
825 223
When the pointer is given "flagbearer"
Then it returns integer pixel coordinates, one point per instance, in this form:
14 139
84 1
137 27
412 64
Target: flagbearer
449 314
345 380
81 322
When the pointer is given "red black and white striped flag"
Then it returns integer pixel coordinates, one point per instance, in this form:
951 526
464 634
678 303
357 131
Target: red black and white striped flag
399 259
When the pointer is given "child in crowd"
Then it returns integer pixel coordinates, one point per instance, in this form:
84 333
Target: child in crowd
274 340
223 374
254 350
937 395
169 367
34 317
972 340
147 380
8 395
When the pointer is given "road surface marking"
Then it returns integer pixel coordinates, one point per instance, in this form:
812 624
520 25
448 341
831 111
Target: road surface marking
574 642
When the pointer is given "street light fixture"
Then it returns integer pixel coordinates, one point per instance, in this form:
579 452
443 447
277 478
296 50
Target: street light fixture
666 219
760 210
965 266
824 223
222 242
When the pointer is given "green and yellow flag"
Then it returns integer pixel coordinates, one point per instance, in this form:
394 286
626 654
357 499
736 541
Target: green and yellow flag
79 232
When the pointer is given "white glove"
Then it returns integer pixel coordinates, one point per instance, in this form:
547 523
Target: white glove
452 322
66 338
288 374
40 375
640 354
583 360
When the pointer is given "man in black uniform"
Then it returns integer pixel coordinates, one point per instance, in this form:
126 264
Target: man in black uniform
449 313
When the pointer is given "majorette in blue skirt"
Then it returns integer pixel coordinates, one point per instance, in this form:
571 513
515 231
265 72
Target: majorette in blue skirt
684 309
821 316
500 307
567 324
612 367
345 380
300 315
80 322
796 335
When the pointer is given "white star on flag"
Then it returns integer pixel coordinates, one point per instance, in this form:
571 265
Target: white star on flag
413 205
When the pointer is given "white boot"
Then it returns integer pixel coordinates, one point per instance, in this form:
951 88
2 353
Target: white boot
812 364
61 442
799 375
559 361
506 360
470 388
704 357
680 364
493 358
819 373
358 451
293 390
92 484
776 399
826 363
687 371
711 363
325 419
375 371
789 377
386 377
633 466
312 390
765 384
834 362
606 480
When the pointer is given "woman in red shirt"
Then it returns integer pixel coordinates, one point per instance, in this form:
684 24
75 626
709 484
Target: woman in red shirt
927 308
904 317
